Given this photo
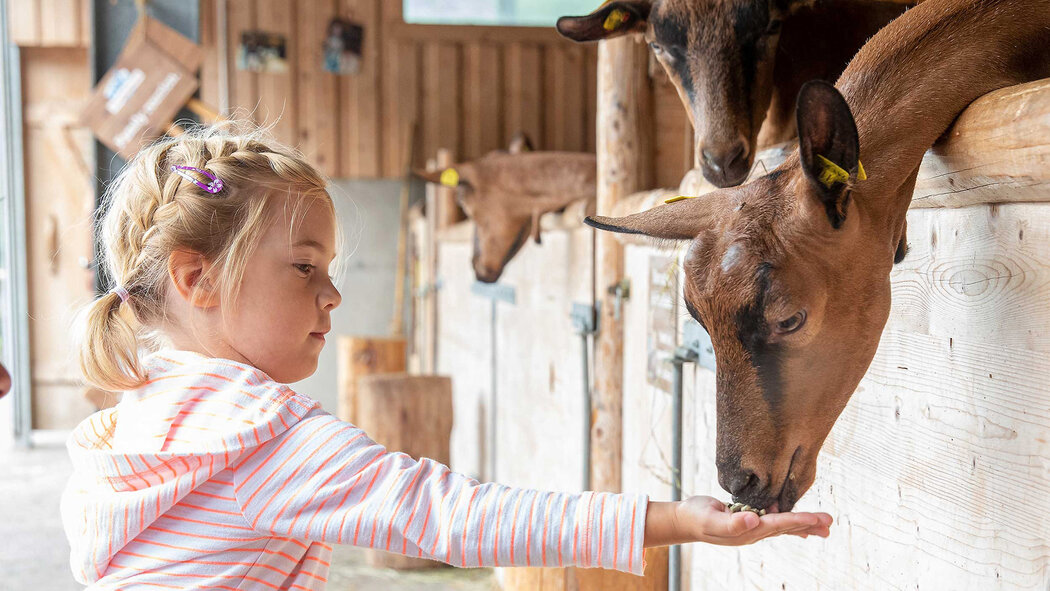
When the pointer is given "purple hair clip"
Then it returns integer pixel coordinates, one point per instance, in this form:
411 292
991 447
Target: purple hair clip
213 187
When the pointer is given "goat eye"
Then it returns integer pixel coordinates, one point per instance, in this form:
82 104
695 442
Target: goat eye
792 324
773 28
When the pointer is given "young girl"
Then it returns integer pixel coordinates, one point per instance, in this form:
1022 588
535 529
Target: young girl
211 473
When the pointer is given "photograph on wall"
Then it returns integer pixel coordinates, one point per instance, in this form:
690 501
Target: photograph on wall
342 47
261 51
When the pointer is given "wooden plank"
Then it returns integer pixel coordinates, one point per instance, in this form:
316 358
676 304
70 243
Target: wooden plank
209 72
482 101
60 23
647 407
60 203
466 353
244 89
941 438
591 113
401 103
979 273
442 108
998 150
523 93
361 134
365 356
24 22
318 112
564 88
673 133
551 420
86 19
277 105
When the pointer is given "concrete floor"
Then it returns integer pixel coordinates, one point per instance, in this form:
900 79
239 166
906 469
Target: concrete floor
34 554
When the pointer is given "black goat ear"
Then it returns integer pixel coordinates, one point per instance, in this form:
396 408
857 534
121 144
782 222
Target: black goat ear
828 146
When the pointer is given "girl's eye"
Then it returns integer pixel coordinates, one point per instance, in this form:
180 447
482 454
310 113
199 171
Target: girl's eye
656 48
792 324
304 268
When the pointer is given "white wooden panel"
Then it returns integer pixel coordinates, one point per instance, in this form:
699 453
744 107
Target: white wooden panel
540 418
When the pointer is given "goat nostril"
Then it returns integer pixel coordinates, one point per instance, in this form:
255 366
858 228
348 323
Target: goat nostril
736 154
742 481
711 160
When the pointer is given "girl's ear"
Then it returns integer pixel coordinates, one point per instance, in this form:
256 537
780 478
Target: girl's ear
190 273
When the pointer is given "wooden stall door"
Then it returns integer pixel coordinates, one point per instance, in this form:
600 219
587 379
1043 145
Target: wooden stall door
60 200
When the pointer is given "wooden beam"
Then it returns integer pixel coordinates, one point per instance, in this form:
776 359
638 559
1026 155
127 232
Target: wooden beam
998 150
623 168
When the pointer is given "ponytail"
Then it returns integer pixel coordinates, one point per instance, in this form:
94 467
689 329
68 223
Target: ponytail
109 350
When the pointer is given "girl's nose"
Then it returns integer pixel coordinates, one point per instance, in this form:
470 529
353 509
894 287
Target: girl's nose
331 298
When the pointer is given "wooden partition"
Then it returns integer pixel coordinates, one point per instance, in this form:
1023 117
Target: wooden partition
469 88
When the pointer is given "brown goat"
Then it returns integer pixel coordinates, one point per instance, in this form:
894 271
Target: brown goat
738 64
790 273
506 193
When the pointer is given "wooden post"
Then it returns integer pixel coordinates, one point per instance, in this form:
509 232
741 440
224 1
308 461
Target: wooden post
410 414
624 129
362 356
446 211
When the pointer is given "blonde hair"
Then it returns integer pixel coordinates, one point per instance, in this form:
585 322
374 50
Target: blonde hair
150 212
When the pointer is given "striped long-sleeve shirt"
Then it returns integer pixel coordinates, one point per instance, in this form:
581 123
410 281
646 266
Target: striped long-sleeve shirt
211 475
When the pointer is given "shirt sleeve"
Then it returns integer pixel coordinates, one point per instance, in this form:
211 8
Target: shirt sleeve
325 480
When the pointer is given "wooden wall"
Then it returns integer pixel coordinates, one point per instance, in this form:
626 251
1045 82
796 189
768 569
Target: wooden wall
468 88
49 23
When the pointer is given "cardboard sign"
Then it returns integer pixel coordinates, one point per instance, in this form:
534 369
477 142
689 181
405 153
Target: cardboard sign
135 102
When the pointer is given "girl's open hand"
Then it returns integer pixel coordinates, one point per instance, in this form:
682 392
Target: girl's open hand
706 519
710 521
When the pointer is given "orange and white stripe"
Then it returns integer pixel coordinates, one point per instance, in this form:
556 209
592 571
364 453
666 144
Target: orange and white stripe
214 476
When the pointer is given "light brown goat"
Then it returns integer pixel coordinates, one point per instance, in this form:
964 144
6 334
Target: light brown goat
738 64
790 273
506 193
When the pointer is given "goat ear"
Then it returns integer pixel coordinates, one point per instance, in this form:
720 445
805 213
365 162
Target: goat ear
520 143
612 19
678 220
828 146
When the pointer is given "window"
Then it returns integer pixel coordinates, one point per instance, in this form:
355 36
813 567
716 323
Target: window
519 13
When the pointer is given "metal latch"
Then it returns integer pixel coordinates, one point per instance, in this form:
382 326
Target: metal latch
584 318
621 291
696 341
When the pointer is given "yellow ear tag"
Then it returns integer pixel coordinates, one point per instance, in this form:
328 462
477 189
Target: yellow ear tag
832 173
616 18
679 198
450 178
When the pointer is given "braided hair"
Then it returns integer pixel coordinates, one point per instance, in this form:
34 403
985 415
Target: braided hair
151 212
